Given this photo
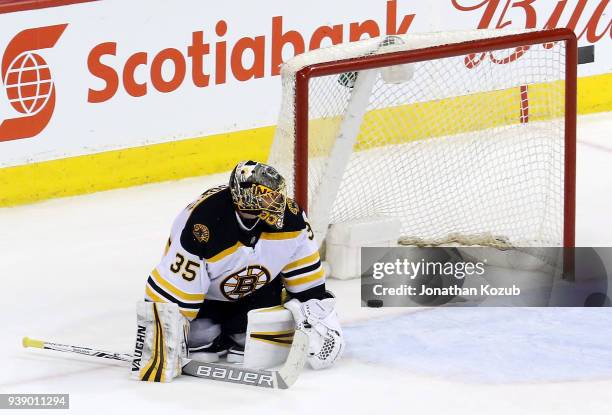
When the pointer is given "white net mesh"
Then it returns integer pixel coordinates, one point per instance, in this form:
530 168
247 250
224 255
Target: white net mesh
472 155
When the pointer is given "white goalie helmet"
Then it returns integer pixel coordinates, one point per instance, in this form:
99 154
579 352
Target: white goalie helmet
258 189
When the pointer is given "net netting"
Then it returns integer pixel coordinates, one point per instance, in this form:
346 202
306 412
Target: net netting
465 149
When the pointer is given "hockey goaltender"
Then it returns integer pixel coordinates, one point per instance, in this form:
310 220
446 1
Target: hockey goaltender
240 272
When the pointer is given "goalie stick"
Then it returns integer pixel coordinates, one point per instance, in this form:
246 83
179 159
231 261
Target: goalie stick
274 379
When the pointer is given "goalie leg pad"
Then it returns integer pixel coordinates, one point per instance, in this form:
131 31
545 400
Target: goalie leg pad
269 337
161 342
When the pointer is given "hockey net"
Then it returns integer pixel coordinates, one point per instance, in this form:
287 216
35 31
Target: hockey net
465 137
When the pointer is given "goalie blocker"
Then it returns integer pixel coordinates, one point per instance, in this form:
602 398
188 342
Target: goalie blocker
161 348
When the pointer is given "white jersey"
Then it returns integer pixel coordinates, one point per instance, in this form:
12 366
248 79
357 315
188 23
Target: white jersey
210 255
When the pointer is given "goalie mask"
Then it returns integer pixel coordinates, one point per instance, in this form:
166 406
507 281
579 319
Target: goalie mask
258 189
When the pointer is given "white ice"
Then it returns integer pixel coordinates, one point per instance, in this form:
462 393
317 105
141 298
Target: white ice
72 270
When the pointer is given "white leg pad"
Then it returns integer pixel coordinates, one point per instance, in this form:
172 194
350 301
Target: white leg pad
161 342
269 337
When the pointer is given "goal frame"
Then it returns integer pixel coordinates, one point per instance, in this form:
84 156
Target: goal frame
303 76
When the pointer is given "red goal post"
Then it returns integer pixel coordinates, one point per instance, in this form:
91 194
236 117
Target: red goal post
306 74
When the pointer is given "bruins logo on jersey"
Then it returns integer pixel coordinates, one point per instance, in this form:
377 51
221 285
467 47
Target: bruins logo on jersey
293 207
201 232
245 282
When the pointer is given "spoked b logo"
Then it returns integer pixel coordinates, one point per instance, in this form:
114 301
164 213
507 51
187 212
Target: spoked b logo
28 83
245 282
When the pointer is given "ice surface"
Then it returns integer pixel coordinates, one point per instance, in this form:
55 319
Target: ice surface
73 268
465 344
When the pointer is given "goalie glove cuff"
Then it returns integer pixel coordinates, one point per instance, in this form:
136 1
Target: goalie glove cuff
318 319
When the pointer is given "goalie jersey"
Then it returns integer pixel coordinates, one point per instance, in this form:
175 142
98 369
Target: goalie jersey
208 255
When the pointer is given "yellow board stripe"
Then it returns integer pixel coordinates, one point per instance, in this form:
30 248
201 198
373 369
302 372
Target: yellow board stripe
300 262
182 295
132 166
225 253
139 165
275 236
595 94
305 280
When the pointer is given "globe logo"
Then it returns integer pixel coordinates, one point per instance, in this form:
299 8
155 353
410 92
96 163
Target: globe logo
30 91
28 83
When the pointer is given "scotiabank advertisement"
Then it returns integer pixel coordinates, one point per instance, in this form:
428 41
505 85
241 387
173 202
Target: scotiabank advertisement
107 75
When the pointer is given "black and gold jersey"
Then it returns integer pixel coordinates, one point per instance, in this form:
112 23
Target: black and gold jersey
210 255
